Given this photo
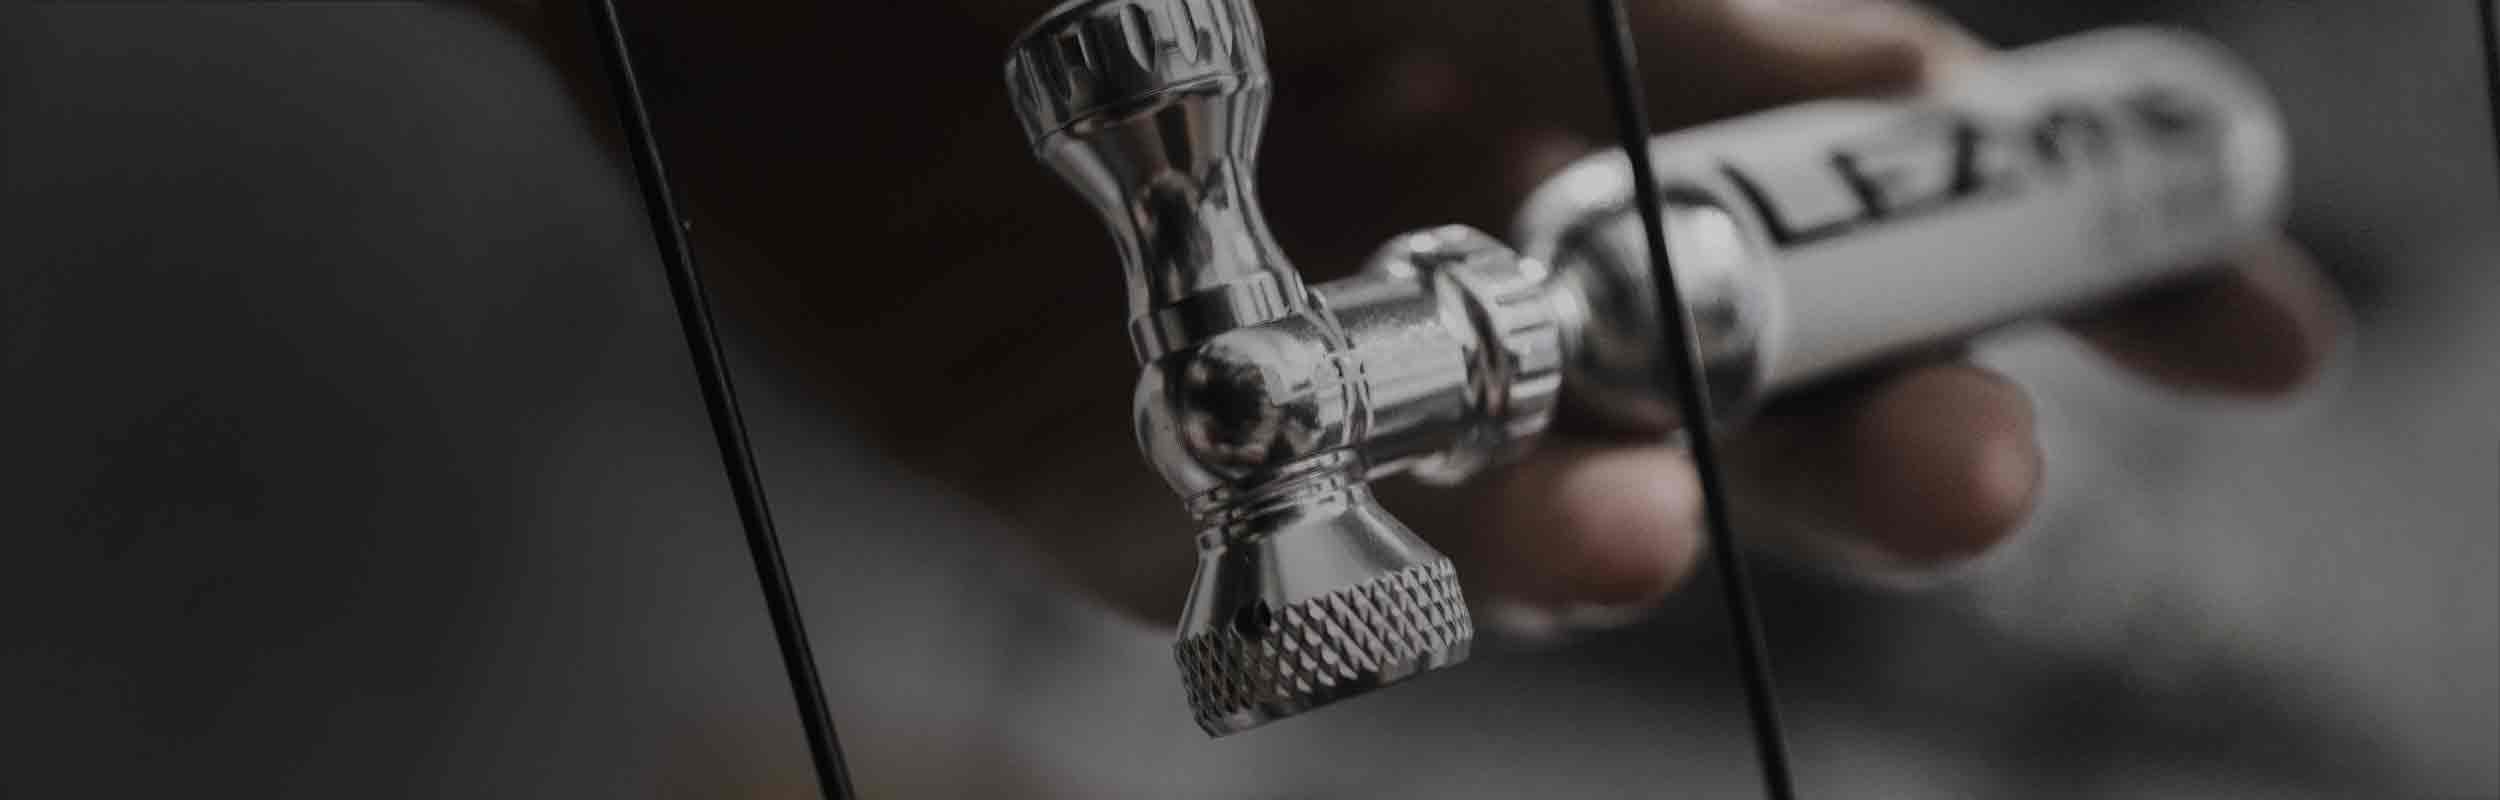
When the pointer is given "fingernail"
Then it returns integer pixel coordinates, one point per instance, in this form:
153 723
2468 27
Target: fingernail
1522 623
1536 626
1796 7
1851 559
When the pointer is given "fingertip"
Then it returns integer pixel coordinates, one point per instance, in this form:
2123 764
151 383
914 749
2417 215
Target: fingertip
1631 511
1851 46
2286 281
2003 480
2265 327
1948 465
1608 526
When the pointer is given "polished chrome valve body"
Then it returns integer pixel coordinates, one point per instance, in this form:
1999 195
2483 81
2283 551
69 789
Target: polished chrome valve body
1266 403
1807 241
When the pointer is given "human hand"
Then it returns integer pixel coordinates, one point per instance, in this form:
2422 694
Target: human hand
1930 463
985 348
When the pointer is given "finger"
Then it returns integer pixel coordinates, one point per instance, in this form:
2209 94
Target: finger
1927 466
1574 524
1752 54
2261 326
1786 50
1821 36
1945 463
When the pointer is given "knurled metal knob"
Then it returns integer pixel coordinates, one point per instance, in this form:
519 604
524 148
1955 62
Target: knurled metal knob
1252 401
1152 110
1094 58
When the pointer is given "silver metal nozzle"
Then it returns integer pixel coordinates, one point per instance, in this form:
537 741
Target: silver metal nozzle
1152 110
1266 403
1314 597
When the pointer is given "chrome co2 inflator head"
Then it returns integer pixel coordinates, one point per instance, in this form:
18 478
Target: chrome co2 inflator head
1267 403
1811 240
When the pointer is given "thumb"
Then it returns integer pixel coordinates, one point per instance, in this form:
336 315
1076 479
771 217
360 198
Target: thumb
1771 52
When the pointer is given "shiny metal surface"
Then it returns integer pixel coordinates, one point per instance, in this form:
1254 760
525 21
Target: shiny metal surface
1310 595
1581 223
1826 236
1152 109
1266 403
2204 608
1462 350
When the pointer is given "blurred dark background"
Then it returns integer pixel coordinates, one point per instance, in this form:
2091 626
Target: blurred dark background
349 449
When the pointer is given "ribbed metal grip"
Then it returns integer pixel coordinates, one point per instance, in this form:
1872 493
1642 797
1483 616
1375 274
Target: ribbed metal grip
1275 662
1092 57
1253 400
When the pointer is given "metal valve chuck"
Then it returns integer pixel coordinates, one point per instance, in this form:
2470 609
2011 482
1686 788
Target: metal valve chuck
1265 403
1807 241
